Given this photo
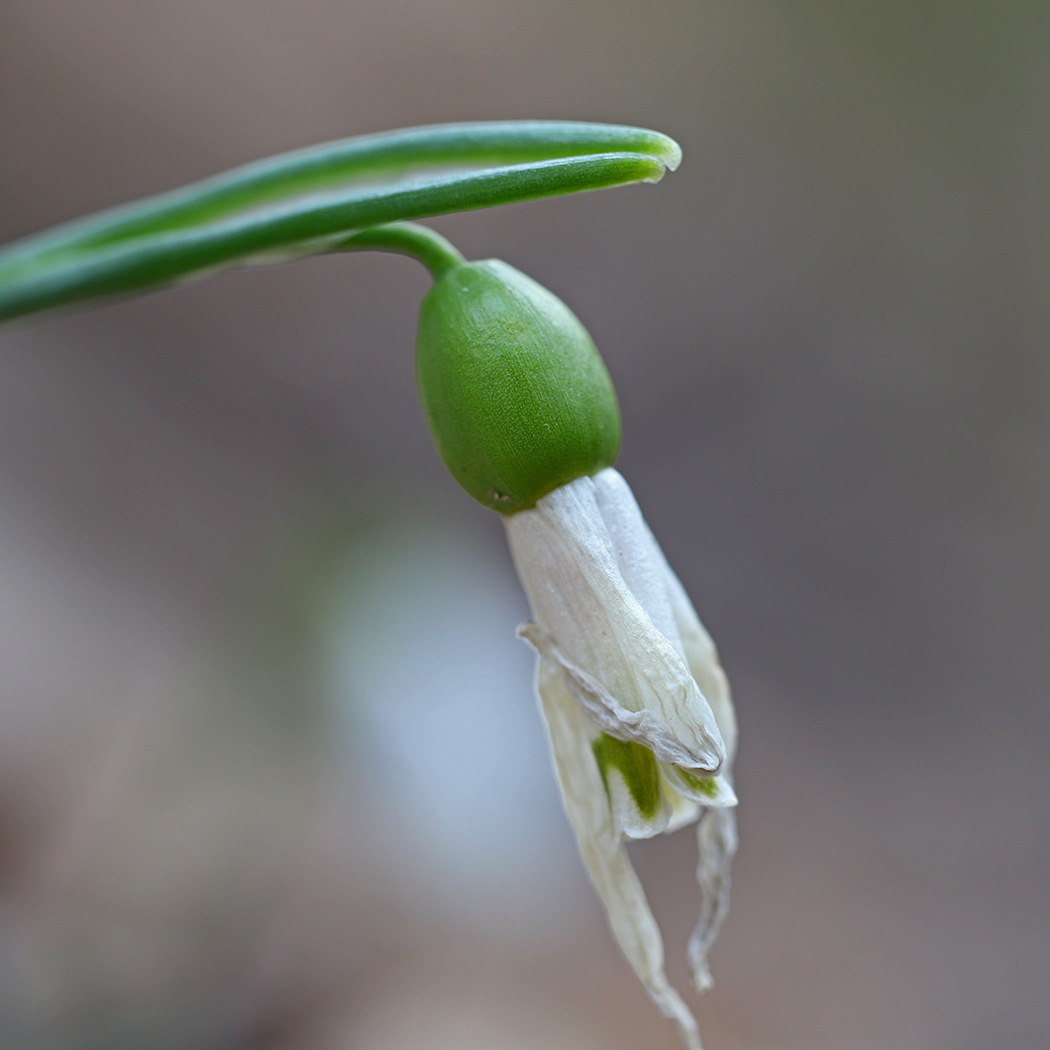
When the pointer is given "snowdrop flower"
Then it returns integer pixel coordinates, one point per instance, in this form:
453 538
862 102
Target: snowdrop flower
638 747
636 704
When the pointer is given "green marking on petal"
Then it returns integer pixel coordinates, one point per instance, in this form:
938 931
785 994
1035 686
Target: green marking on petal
637 765
702 785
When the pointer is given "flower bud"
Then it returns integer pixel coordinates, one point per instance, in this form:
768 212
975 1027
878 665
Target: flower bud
517 398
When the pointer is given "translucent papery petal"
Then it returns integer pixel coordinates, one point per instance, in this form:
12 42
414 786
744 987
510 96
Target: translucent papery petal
623 669
601 846
716 832
701 654
638 556
717 841
683 810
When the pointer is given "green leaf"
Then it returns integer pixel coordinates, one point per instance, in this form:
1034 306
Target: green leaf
308 201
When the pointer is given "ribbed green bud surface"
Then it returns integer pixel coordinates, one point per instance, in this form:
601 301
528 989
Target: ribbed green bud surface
517 398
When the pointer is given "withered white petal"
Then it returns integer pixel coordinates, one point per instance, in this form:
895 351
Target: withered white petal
683 810
568 566
601 847
638 557
702 656
716 835
716 832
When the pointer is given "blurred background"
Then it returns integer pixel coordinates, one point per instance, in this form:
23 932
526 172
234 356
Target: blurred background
270 773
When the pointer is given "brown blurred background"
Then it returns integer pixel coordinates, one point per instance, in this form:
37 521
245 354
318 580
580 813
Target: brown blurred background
270 777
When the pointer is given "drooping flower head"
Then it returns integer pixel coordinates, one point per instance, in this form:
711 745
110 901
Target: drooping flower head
636 705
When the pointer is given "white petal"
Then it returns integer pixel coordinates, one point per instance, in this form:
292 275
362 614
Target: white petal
653 582
638 557
716 832
617 659
601 846
683 810
716 837
704 664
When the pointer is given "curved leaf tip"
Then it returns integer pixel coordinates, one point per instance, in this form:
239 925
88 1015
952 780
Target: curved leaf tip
669 151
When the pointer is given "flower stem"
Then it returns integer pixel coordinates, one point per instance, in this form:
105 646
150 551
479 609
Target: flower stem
436 253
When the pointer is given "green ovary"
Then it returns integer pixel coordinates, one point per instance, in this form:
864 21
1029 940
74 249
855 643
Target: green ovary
515 393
